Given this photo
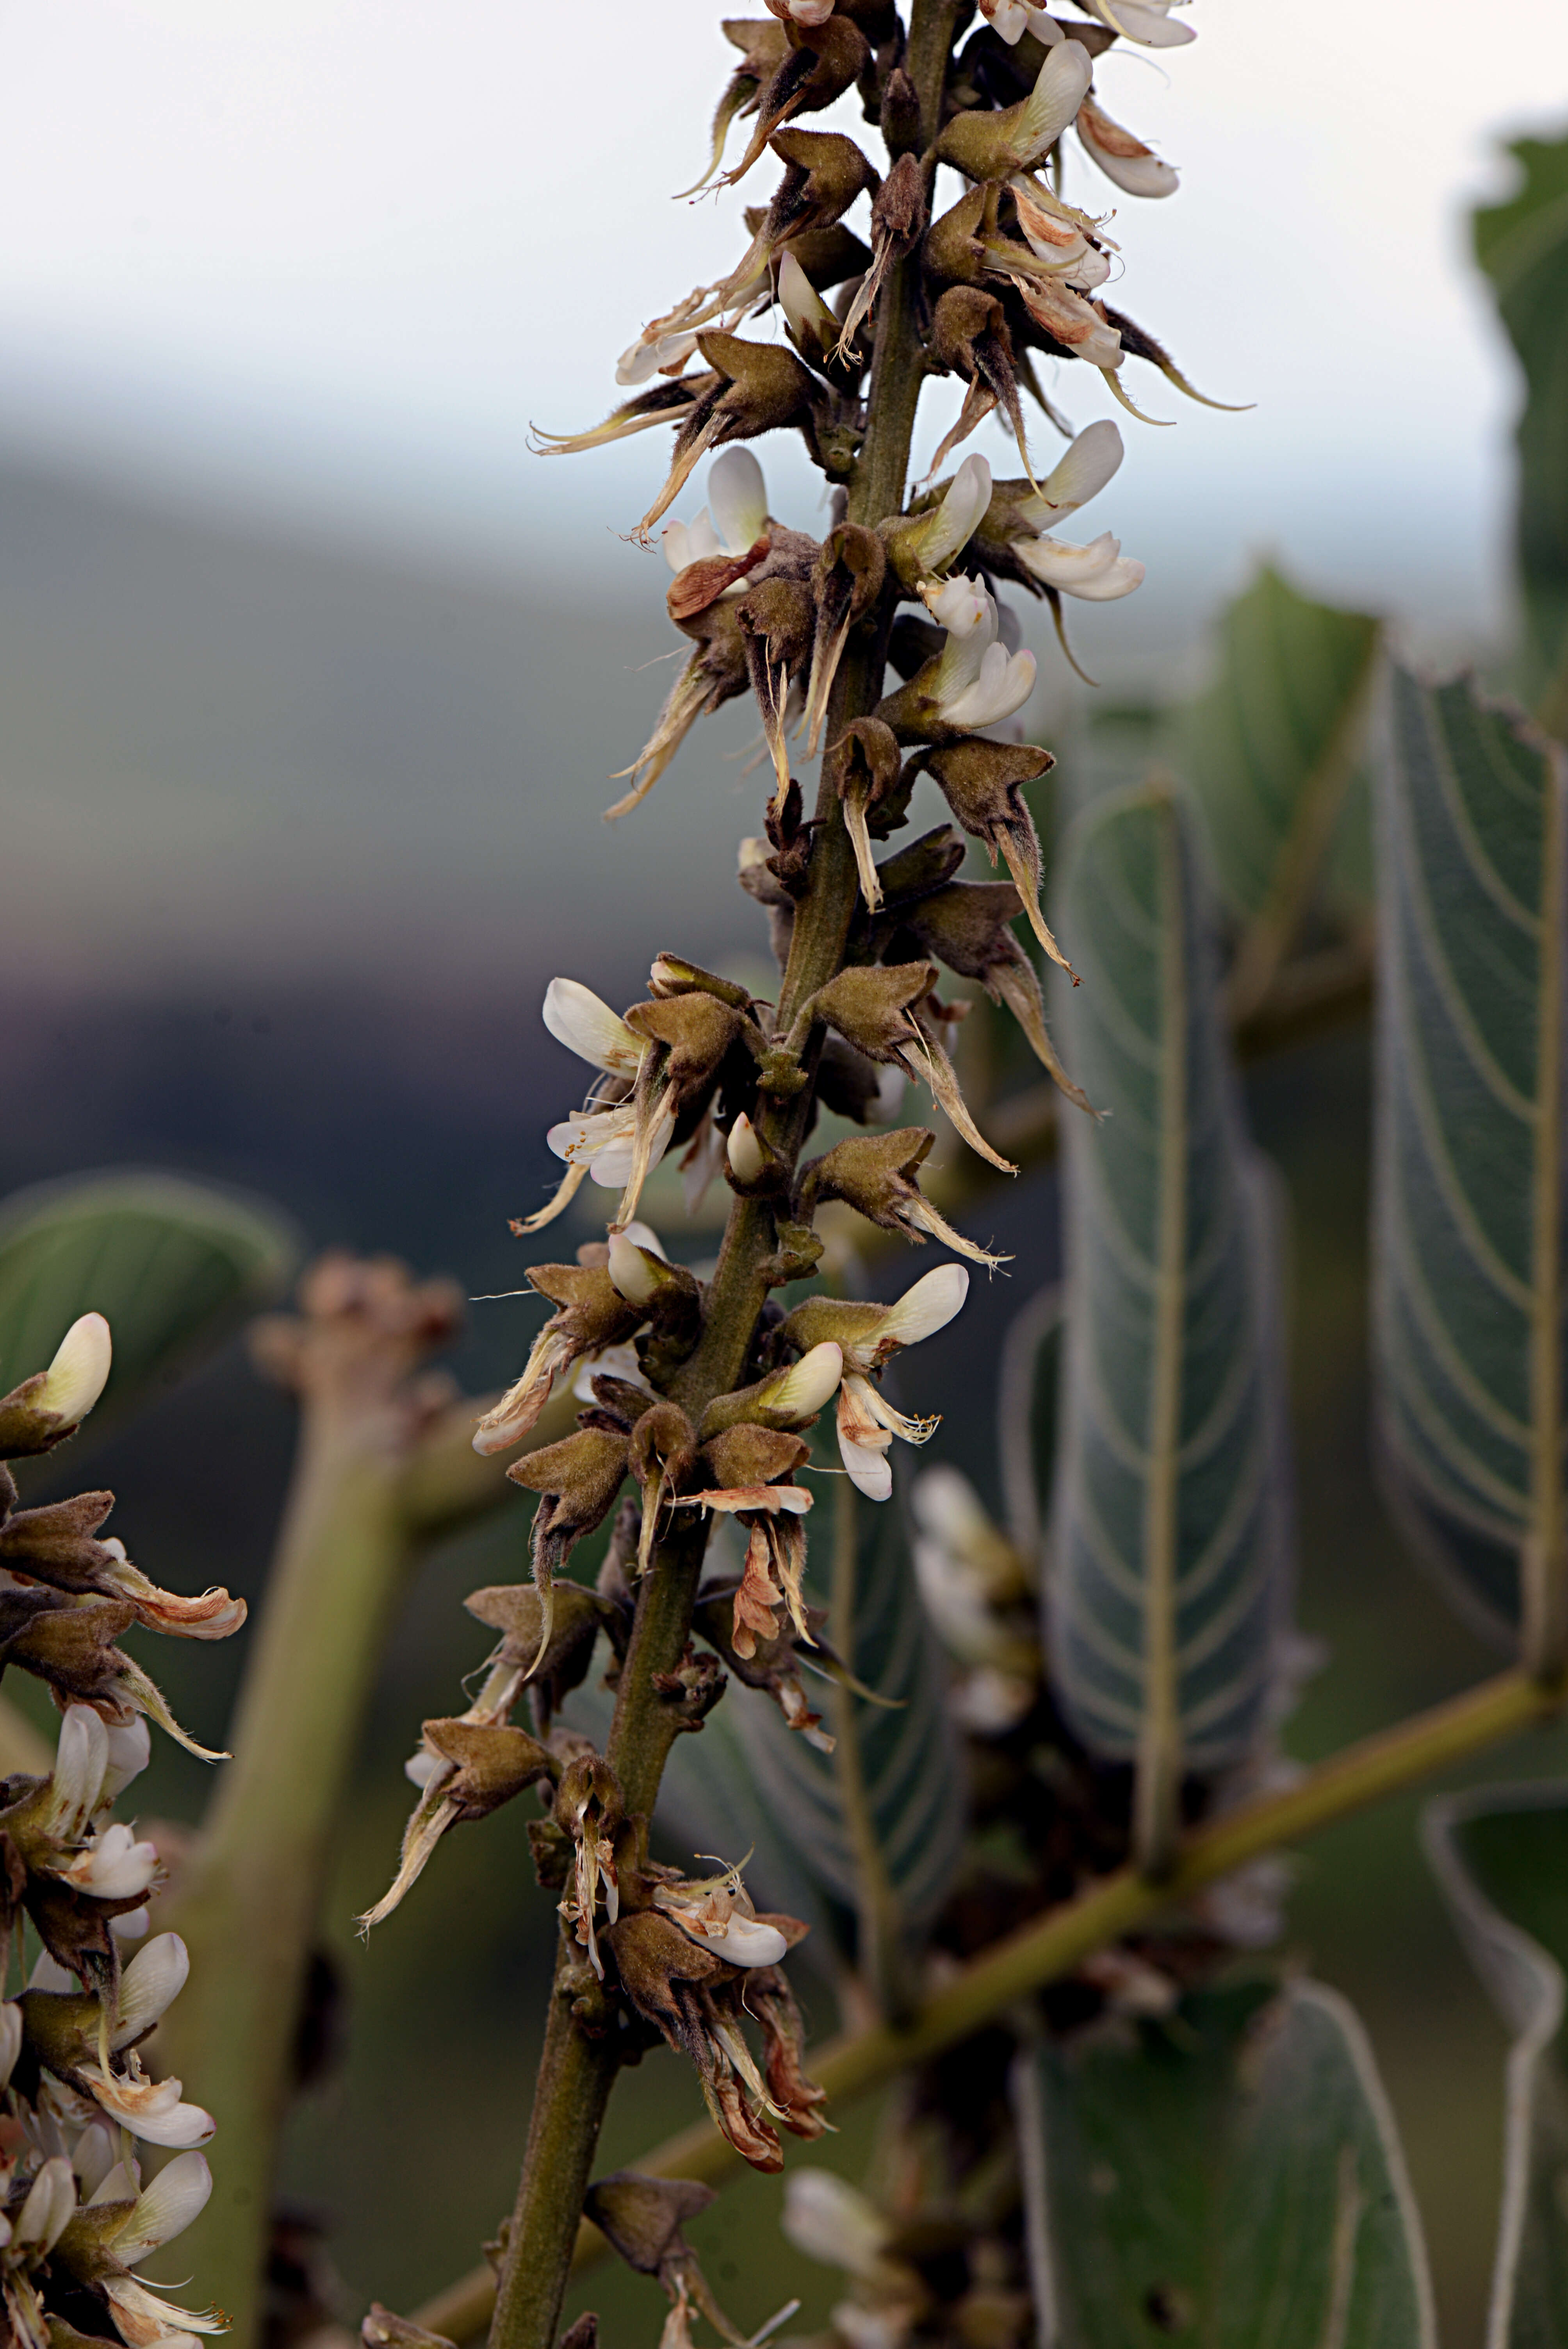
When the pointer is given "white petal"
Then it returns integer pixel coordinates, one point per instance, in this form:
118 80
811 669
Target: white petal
50 1974
156 2115
922 1309
96 2156
1140 174
643 1236
1004 685
959 606
1097 573
51 2199
118 2183
674 539
737 498
813 1378
869 1470
421 1767
891 1086
132 1925
114 1867
832 2220
1150 26
76 1376
1093 459
647 354
149 1986
576 1018
630 1276
1060 90
958 516
177 2196
10 2039
610 1167
130 1752
743 1941
81 1758
613 1363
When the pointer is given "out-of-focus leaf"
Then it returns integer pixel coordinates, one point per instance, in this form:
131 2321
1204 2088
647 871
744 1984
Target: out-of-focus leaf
890 1799
1269 751
175 1265
1231 2176
1026 1410
1500 1854
1522 245
1469 1197
1169 1553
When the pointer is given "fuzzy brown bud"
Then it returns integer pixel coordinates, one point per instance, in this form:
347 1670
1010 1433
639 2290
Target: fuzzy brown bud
493 1761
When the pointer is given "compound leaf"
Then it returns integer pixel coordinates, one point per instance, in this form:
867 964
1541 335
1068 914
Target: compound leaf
1469 1186
1270 753
1230 2175
1169 1552
1500 1855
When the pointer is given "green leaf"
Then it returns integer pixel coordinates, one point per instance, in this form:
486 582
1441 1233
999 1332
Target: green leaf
175 1265
1468 1183
1028 1404
874 1830
1522 245
1169 1553
1500 1854
1229 2176
1270 751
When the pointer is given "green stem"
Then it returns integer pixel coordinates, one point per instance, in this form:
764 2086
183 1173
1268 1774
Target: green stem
250 1902
1367 1772
566 2118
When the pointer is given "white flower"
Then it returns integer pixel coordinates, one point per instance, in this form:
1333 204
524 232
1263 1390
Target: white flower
1136 169
1148 22
76 1377
1099 572
978 681
958 604
651 355
149 2109
604 1140
613 1363
629 1277
719 1915
869 1336
733 520
114 1865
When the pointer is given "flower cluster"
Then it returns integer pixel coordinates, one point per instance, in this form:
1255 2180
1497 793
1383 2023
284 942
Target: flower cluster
76 2219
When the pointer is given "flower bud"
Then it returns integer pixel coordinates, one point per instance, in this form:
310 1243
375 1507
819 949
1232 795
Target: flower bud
749 1157
492 1761
79 1371
786 1400
642 2217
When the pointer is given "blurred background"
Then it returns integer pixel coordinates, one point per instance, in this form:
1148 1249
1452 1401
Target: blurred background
313 675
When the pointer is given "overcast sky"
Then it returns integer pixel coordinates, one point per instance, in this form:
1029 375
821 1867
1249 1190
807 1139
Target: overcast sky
339 253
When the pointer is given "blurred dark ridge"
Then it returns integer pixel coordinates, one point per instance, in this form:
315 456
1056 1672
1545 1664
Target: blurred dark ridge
231 750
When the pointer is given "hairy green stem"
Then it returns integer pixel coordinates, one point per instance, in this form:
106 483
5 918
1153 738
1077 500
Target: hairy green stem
1112 1906
566 2115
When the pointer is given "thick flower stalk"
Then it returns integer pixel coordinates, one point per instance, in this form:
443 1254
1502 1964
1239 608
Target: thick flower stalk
77 2100
887 643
